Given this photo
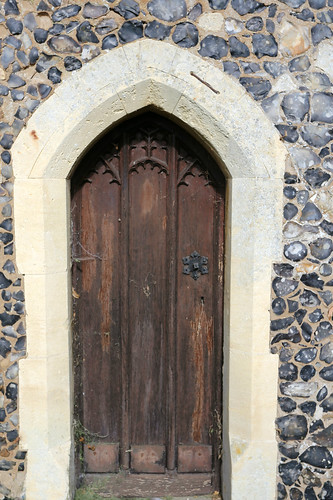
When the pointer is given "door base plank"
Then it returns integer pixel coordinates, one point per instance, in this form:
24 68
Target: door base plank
144 485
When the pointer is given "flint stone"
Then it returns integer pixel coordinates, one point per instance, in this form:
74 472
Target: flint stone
292 427
311 212
218 4
185 35
13 42
328 163
327 491
5 347
106 26
195 12
130 31
315 316
257 87
17 95
72 63
7 56
128 9
295 251
327 295
167 10
319 32
6 465
64 44
314 81
40 35
324 437
316 136
237 48
289 192
290 472
293 336
298 389
321 248
283 270
295 106
326 373
255 24
278 306
283 286
289 211
247 6
33 55
306 355
295 494
109 42
90 51
11 391
317 4
65 13
157 30
324 330
325 269
318 456
326 353
23 58
214 47
281 491
29 21
270 26
288 449
327 404
273 68
4 282
288 371
312 280
301 63
288 133
11 7
307 373
309 407
85 34
316 177
7 142
292 305
44 63
325 17
322 107
92 11
264 45
14 26
54 75
293 3
287 405
43 7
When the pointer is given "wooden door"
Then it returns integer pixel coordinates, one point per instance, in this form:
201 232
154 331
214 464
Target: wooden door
147 234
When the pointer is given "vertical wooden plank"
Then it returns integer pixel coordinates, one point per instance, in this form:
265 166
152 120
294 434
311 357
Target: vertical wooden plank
195 304
147 285
96 298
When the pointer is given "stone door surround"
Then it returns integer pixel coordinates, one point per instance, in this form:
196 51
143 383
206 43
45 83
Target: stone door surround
149 74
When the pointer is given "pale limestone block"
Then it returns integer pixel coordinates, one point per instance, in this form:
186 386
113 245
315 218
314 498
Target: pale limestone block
150 92
46 233
48 306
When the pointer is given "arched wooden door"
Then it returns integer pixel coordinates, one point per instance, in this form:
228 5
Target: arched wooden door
147 233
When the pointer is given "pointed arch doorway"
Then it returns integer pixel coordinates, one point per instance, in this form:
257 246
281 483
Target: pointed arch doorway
147 235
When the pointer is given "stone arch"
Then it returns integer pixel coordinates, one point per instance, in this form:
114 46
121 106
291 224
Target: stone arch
215 108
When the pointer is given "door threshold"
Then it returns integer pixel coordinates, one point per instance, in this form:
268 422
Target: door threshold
149 486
